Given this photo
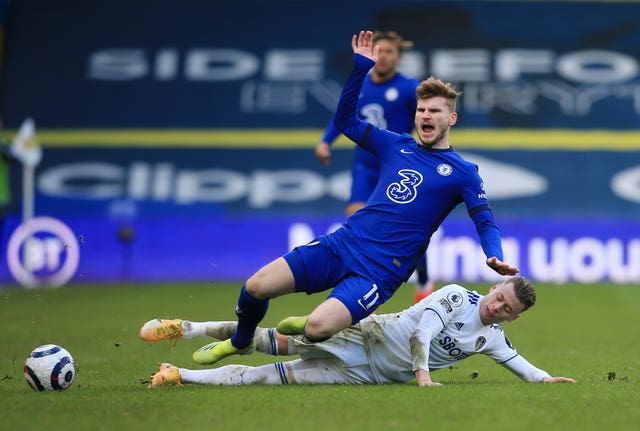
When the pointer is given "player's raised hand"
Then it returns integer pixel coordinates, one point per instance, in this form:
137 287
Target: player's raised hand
500 267
363 44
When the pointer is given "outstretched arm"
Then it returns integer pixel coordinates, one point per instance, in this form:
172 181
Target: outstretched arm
529 373
491 242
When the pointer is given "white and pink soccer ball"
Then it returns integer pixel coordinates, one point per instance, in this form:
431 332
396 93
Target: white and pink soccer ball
49 368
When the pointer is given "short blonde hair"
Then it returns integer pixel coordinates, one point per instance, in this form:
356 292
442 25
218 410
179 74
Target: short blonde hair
392 36
432 87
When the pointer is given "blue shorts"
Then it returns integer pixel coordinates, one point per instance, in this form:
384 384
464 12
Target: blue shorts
316 268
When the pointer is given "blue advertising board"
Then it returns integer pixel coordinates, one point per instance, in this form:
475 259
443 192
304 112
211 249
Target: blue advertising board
212 214
212 182
166 249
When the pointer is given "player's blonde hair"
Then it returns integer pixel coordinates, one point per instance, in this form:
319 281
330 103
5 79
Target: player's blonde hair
392 36
524 291
432 87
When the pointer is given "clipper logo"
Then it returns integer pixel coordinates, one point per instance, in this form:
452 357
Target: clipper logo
480 342
444 170
455 299
370 298
406 190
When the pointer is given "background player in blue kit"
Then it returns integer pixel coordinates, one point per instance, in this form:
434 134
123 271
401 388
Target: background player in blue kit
449 326
376 249
388 101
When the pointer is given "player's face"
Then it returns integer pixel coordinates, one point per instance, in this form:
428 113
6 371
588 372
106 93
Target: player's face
433 120
388 59
500 304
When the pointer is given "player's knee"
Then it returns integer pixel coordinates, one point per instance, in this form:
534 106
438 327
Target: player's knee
318 330
255 287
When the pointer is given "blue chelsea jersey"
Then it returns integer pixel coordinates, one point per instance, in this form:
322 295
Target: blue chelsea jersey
417 188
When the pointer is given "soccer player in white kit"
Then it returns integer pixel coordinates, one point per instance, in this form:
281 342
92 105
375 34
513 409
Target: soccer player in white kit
444 328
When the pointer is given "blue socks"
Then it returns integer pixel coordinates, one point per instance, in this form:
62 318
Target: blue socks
250 312
421 269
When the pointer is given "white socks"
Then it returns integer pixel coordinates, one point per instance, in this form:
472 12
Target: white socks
266 341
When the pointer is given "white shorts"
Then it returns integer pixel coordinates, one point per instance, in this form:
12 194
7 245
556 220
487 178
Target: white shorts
340 359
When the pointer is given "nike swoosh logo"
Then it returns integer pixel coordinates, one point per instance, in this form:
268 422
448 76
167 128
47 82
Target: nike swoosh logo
403 151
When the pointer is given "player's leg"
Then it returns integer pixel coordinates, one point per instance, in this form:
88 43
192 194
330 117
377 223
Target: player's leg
270 281
353 299
328 318
312 371
425 285
268 340
310 268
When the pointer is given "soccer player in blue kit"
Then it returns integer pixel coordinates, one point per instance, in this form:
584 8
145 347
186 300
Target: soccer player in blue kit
388 101
376 249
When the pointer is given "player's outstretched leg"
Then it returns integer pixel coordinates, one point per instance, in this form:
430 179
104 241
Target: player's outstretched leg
250 311
292 325
162 329
167 329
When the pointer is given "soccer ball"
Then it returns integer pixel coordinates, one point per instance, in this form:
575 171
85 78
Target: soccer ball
49 368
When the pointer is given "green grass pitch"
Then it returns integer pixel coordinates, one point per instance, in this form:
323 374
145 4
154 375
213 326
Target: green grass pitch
588 332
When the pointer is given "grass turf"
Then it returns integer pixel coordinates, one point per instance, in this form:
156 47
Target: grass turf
582 331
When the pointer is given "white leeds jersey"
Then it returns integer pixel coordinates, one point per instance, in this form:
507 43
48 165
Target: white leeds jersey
437 332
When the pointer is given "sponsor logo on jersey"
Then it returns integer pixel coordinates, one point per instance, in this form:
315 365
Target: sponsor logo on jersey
455 299
445 304
444 170
480 342
449 345
458 325
406 190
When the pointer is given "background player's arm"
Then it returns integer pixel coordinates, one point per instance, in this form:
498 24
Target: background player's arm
323 149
